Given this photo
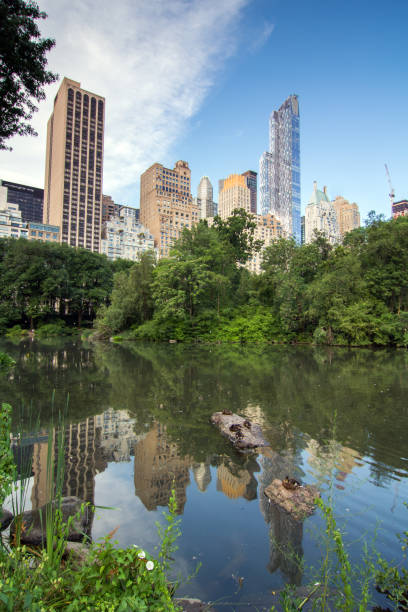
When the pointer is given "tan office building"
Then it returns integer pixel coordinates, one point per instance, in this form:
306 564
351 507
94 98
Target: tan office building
235 193
74 165
348 216
166 204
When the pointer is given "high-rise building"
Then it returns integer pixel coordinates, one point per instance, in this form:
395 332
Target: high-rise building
265 182
235 193
400 209
205 198
74 165
302 229
166 204
320 216
348 216
109 208
280 168
252 182
29 200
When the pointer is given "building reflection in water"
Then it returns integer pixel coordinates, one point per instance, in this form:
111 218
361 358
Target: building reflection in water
157 465
89 446
331 459
83 460
285 533
235 480
118 437
202 474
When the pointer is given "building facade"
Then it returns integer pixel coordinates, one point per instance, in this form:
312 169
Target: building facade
11 223
265 181
74 165
109 208
125 238
129 211
280 168
348 215
235 193
43 232
29 200
400 209
320 216
166 204
205 198
251 178
268 229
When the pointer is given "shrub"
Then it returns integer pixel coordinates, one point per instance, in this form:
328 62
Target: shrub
6 362
49 330
16 332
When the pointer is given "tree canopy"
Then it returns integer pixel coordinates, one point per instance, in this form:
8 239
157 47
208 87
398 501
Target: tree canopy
23 63
356 293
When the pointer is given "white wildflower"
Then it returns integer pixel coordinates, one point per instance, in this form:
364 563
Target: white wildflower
142 554
149 565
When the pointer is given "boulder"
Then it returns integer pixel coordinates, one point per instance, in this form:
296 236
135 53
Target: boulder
240 431
33 532
299 502
77 552
5 519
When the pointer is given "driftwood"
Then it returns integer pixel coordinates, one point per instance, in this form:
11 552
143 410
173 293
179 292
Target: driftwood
299 502
240 431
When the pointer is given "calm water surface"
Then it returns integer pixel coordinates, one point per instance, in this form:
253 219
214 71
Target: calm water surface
138 417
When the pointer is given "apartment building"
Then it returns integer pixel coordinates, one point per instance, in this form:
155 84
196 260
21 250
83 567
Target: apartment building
74 165
166 204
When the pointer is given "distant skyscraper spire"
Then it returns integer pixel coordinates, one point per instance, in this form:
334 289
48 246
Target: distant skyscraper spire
280 168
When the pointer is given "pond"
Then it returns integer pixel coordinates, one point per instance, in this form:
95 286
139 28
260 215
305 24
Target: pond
137 419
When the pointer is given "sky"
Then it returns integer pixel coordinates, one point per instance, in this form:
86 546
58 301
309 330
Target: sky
197 80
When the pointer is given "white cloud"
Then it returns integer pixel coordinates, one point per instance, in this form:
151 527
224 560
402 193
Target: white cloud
153 61
262 37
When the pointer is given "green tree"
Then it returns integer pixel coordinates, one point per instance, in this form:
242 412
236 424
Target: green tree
238 232
22 67
90 283
131 300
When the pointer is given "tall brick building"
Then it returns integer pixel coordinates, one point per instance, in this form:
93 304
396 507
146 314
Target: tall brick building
166 204
74 165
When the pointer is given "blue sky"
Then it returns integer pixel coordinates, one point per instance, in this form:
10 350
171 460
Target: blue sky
347 61
198 79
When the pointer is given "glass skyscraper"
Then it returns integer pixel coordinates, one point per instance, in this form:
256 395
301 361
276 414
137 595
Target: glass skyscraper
280 168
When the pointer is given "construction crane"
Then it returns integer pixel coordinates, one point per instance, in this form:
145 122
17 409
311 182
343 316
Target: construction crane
392 192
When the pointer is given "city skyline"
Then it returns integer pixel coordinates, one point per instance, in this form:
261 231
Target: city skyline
207 111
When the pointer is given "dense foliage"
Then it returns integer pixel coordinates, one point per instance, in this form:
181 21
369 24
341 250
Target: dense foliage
22 66
45 282
352 294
